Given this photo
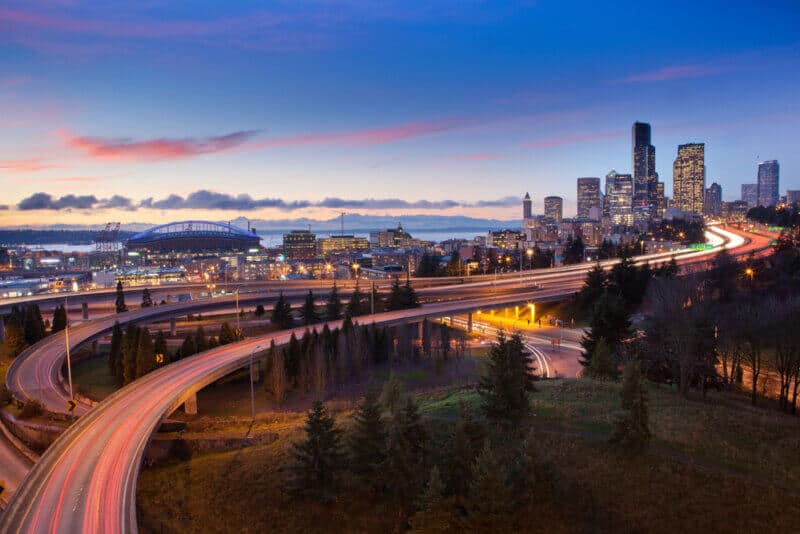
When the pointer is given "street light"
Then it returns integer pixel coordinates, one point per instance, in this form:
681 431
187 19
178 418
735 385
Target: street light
750 273
355 267
529 252
252 391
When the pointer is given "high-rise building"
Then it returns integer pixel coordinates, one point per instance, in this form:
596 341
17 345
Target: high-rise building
619 196
793 196
589 197
644 171
527 207
713 200
689 178
768 178
661 200
299 245
750 195
554 208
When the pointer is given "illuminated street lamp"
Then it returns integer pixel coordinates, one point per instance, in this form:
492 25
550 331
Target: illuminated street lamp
750 273
355 267
529 253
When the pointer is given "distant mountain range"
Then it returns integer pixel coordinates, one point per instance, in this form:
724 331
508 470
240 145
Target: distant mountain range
74 233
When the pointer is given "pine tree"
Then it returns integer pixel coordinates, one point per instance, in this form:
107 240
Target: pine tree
14 342
355 306
120 301
145 356
467 440
368 439
309 310
259 311
115 353
592 289
413 430
454 265
200 339
632 427
392 394
160 347
399 471
490 500
396 299
227 334
410 298
435 513
188 347
33 324
147 300
609 321
130 347
333 308
505 386
377 303
602 365
282 313
317 459
59 319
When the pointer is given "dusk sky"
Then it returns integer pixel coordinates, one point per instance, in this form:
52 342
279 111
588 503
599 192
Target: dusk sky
173 110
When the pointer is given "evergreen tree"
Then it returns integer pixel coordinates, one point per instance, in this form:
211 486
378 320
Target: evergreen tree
145 355
309 310
188 347
59 319
115 354
333 308
120 301
508 379
573 251
147 300
623 281
602 365
410 299
33 324
593 288
467 440
609 321
317 459
368 439
392 394
632 428
377 303
355 306
413 430
396 298
259 311
130 347
227 334
435 510
399 471
490 500
14 342
282 313
454 265
200 339
293 355
160 347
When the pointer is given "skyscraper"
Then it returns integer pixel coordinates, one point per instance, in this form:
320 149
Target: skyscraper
689 178
527 207
792 196
619 194
644 171
589 197
768 177
554 208
713 201
750 195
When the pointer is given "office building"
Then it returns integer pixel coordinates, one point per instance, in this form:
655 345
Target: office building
392 238
554 208
735 211
713 200
750 195
793 196
619 196
299 245
689 178
644 170
661 200
589 197
336 244
768 186
527 207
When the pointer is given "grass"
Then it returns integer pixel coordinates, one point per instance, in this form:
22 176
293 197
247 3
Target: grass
93 378
714 465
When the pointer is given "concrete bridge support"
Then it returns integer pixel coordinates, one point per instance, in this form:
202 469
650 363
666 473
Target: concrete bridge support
190 406
85 311
173 327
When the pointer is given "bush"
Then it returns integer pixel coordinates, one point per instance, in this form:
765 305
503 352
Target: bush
5 395
32 408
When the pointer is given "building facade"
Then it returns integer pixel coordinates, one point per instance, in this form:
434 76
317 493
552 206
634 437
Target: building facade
713 201
750 195
619 198
768 183
793 196
554 208
589 197
689 178
341 244
527 207
644 171
299 245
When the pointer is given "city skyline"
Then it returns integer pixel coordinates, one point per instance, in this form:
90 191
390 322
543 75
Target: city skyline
176 115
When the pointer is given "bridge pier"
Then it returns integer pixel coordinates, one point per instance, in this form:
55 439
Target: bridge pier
420 330
190 406
469 323
173 327
85 311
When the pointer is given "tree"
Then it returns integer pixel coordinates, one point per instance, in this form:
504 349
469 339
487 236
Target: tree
130 347
467 440
120 301
392 394
14 342
355 306
632 428
333 308
368 439
317 459
59 319
573 251
428 266
490 500
413 430
508 379
259 311
410 299
396 300
147 300
609 321
200 339
454 264
282 313
160 348
376 300
399 471
309 310
602 365
435 510
33 325
593 288
115 354
188 347
227 334
145 355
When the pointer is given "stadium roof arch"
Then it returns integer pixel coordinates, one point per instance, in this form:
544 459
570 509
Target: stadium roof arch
193 236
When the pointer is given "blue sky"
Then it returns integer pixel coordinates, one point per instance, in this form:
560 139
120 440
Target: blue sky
376 107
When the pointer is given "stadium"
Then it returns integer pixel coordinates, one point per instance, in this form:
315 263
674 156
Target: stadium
193 236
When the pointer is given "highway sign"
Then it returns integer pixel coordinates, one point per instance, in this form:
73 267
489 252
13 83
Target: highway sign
71 405
2 487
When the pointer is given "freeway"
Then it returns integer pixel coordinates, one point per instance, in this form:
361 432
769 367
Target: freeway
86 481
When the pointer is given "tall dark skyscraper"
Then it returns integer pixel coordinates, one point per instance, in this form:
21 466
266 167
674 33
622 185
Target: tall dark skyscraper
768 186
527 207
644 171
712 204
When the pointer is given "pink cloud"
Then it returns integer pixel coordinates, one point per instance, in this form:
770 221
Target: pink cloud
26 165
675 72
152 149
572 139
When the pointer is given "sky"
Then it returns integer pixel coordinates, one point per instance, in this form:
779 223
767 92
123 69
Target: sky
156 110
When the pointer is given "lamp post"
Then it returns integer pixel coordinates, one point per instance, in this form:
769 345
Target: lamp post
355 267
252 389
529 253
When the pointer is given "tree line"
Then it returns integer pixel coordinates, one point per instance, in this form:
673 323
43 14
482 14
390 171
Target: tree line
25 326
